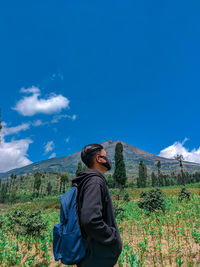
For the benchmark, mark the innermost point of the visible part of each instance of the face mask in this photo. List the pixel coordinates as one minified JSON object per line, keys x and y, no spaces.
{"x":107,"y":164}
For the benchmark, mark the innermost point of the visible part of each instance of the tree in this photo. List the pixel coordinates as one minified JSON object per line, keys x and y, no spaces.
{"x":49,"y":188}
{"x":21,"y":180}
{"x":13,"y":196}
{"x":166,"y":179}
{"x":110,"y":180}
{"x":153,"y":179}
{"x":160,"y":180}
{"x":119,"y":175}
{"x":179,"y":179}
{"x":142,"y":176}
{"x":3,"y":192}
{"x":180,"y":160}
{"x":0,"y":125}
{"x":64,"y":179}
{"x":79,"y":168}
{"x":37,"y":181}
{"x":13,"y":178}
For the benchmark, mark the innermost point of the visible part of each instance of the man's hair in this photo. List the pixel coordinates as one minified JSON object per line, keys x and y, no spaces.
{"x":88,"y":153}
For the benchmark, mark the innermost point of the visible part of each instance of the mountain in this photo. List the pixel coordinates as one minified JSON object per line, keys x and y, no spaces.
{"x":132,"y":156}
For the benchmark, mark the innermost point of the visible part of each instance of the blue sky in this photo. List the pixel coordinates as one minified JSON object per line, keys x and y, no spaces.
{"x":80,"y":72}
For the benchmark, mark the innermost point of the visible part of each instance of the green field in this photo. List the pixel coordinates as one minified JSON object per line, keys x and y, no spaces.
{"x":159,"y":239}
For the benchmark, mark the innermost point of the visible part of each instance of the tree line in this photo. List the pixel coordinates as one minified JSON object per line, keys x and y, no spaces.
{"x":8,"y":190}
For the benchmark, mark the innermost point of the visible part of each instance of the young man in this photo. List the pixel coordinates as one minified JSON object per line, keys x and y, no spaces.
{"x":96,"y":215}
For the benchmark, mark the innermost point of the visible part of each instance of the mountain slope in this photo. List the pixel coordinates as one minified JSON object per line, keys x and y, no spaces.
{"x":132,"y":156}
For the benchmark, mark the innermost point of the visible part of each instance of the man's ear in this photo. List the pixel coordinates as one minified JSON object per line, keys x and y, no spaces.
{"x":97,"y":156}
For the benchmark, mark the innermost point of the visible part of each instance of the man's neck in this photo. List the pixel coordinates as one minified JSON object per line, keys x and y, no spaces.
{"x":98,"y":169}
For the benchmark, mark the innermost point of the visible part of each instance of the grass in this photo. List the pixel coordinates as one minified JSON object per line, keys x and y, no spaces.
{"x":170,"y":239}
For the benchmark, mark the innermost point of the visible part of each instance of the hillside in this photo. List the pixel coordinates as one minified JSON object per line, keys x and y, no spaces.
{"x":132,"y":156}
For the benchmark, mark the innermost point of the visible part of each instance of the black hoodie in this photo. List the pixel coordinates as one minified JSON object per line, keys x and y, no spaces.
{"x":97,"y":220}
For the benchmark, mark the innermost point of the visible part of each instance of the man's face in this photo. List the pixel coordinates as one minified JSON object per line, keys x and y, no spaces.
{"x":99,"y":159}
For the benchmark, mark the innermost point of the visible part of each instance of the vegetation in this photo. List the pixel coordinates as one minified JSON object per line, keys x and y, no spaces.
{"x":152,"y":200}
{"x":131,"y":154}
{"x":40,"y":184}
{"x":142,"y":177}
{"x":119,"y":175}
{"x":0,"y":125}
{"x":49,"y":188}
{"x":184,"y":194}
{"x":79,"y":168}
{"x":159,"y":226}
{"x":37,"y":182}
{"x":110,"y":180}
{"x":64,"y":179}
{"x":149,"y":239}
{"x":153,"y":179}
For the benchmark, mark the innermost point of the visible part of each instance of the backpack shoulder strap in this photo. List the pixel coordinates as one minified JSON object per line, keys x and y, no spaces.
{"x":65,"y":201}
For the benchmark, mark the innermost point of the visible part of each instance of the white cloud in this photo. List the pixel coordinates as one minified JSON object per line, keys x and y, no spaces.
{"x":53,"y":155}
{"x":67,"y":140}
{"x":13,"y":130}
{"x":38,"y":123}
{"x":31,"y":105}
{"x":13,"y":154}
{"x":178,"y":148}
{"x":58,"y":117}
{"x":32,"y":89}
{"x":49,"y":146}
{"x":57,"y":76}
{"x":73,"y":117}
{"x":21,"y":127}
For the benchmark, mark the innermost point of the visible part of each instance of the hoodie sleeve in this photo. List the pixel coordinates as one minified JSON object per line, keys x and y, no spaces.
{"x":91,"y":214}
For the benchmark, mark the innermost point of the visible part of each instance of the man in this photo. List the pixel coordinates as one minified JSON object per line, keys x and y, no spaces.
{"x":96,"y":215}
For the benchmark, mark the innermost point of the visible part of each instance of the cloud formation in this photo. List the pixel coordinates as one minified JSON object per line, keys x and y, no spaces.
{"x":31,"y":105}
{"x":53,"y":155}
{"x":49,"y":146}
{"x":14,"y":154}
{"x":56,"y":118}
{"x":13,"y":130}
{"x":178,"y":148}
{"x":67,"y":140}
{"x":32,"y":89}
{"x":38,"y":123}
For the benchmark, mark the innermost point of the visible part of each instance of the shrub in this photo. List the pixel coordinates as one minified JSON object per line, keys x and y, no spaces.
{"x":13,"y":197}
{"x":184,"y":194}
{"x":30,"y":223}
{"x":116,"y":196}
{"x":1,"y":221}
{"x":110,"y":180}
{"x":118,"y":211}
{"x":126,"y":197}
{"x":152,"y":200}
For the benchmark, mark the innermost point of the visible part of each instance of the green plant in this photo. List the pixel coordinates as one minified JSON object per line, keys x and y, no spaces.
{"x":152,"y":200}
{"x":118,"y":211}
{"x":30,"y":223}
{"x":184,"y":194}
{"x":1,"y":221}
{"x":126,"y":197}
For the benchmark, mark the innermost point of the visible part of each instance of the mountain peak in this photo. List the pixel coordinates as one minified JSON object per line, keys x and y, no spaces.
{"x":132,"y":156}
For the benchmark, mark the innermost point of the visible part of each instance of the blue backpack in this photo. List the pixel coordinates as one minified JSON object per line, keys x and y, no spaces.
{"x":68,"y":244}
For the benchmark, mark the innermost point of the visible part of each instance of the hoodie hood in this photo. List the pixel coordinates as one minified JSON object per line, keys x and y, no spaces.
{"x":86,"y":174}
